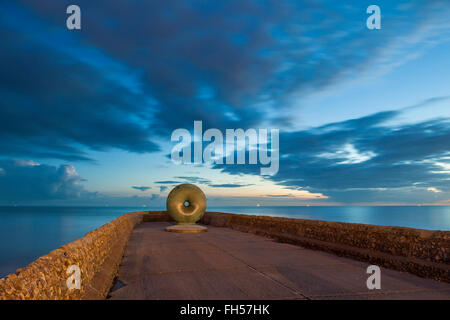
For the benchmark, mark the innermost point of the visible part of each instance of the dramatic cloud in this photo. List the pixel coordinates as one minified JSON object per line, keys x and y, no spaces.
{"x":28,"y":181}
{"x":134,"y":71}
{"x":364,"y":160}
{"x":137,"y":71}
{"x":55,"y":105}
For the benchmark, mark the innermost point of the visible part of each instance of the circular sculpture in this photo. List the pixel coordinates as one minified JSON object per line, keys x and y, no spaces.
{"x":186,"y":204}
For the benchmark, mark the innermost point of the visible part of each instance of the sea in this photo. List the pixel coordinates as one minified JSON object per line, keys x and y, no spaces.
{"x":27,"y":233}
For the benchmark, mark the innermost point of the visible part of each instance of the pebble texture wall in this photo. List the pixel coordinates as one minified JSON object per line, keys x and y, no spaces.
{"x":98,"y":255}
{"x":99,"y":252}
{"x":422,"y":252}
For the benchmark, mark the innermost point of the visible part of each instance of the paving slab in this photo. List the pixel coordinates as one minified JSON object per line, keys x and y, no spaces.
{"x":227,"y":264}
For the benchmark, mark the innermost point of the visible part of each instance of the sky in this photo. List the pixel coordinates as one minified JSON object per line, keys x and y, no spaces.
{"x":86,"y":116}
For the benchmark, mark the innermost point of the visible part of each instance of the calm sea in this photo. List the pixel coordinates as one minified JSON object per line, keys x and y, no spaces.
{"x":27,"y":233}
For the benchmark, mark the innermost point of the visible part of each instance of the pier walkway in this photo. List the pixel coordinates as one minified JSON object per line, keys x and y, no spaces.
{"x":227,"y":264}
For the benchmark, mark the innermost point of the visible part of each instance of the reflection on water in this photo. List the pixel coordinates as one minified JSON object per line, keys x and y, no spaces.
{"x":27,"y":233}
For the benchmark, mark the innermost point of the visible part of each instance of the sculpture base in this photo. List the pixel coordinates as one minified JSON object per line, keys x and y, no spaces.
{"x":187,"y":228}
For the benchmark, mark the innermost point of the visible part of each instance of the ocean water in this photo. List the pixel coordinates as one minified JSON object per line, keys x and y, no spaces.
{"x":27,"y":233}
{"x":421,"y":217}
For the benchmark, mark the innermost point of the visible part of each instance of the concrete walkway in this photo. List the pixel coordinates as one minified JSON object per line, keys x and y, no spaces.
{"x":227,"y":264}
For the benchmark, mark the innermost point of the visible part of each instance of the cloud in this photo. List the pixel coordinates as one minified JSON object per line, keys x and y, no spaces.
{"x":64,"y":99}
{"x":167,"y":182}
{"x":383,"y":162}
{"x":198,"y":180}
{"x":195,"y":180}
{"x":23,"y":181}
{"x":230,"y":185}
{"x":141,"y":188}
{"x":348,"y":155}
{"x":136,"y":72}
{"x":140,"y":71}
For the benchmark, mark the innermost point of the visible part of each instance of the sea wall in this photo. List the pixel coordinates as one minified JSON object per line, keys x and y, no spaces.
{"x":422,"y":252}
{"x":97,"y":254}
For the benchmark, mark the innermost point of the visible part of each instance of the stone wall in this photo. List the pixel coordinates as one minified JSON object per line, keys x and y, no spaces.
{"x":98,"y":255}
{"x":422,"y":252}
{"x":157,"y":216}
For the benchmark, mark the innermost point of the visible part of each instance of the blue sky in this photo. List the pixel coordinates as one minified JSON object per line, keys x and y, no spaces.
{"x":86,"y":115}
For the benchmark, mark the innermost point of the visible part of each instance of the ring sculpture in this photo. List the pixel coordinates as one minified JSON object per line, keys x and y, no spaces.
{"x":186,"y":204}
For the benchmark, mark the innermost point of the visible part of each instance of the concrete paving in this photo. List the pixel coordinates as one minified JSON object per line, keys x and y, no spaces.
{"x":227,"y":264}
